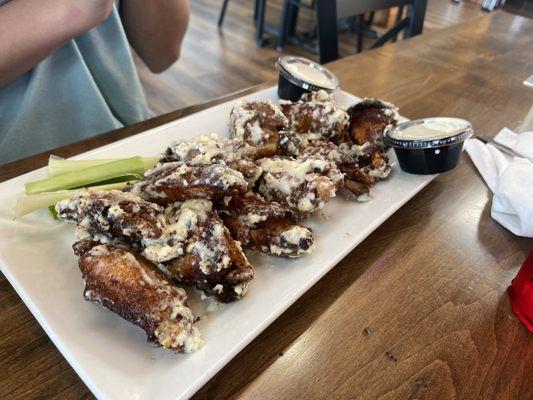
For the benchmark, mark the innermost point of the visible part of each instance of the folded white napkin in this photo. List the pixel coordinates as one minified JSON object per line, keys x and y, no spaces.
{"x":509,"y":178}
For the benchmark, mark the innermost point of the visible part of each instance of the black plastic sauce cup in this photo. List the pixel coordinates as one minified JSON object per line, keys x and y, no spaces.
{"x":432,"y":155}
{"x":291,"y":87}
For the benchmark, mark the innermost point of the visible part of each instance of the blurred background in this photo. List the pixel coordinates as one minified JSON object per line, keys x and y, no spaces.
{"x":219,"y":60}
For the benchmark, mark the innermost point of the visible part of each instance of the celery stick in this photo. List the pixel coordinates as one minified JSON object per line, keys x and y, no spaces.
{"x":58,"y":166}
{"x":125,"y":178}
{"x":86,"y":176}
{"x":53,"y":212}
{"x":31,"y":203}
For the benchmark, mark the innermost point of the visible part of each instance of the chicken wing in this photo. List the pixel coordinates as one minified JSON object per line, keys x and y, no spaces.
{"x":207,"y":149}
{"x":212,"y":261}
{"x":187,"y":241}
{"x":177,"y":181}
{"x":356,"y":181}
{"x":302,"y":184}
{"x":326,"y":119}
{"x":130,"y":286}
{"x":371,"y":158}
{"x":113,"y":217}
{"x":369,"y":119}
{"x":266,"y":226}
{"x":319,"y":96}
{"x":257,"y":123}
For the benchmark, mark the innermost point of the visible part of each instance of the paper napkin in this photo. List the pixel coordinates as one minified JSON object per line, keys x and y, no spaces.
{"x":509,"y":178}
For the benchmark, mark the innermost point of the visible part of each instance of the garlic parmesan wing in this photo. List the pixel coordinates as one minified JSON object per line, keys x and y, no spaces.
{"x":124,"y":219}
{"x":112,"y":217}
{"x":356,"y":180}
{"x":212,"y":261}
{"x":319,"y":96}
{"x":304,"y":185}
{"x":130,"y":286}
{"x":371,"y":158}
{"x":176,"y":181}
{"x":257,"y":123}
{"x":325,"y":119}
{"x":265,"y":226}
{"x":187,"y":241}
{"x":369,"y":119}
{"x":208,"y":149}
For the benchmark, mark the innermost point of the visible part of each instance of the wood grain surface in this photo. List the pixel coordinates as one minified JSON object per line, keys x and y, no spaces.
{"x":416,"y":311}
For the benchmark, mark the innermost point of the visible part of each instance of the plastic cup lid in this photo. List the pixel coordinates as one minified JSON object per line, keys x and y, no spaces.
{"x":307,"y":74}
{"x":429,"y":132}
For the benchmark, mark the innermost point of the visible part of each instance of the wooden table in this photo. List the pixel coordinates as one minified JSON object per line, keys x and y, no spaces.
{"x":419,"y":309}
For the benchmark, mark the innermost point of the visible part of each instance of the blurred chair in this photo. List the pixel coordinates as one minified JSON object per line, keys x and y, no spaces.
{"x":259,"y":18}
{"x":328,"y":12}
{"x":222,"y":14}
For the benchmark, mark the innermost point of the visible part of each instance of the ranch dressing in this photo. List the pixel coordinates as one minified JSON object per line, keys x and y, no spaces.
{"x":430,"y":128}
{"x":311,"y":75}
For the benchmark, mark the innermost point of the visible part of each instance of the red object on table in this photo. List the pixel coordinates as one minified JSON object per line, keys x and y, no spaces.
{"x":521,"y":293}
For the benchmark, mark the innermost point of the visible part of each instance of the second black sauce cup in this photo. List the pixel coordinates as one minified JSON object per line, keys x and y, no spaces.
{"x":292,"y":87}
{"x":427,"y":156}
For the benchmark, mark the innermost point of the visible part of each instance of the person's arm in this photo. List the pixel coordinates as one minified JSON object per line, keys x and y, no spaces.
{"x":32,"y":29}
{"x":155,"y":29}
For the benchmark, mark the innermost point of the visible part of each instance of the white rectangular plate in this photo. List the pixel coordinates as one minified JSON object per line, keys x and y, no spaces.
{"x":111,"y":355}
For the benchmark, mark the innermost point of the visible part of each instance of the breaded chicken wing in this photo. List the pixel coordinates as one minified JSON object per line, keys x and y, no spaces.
{"x":130,"y":286}
{"x":369,"y":119}
{"x":257,"y":123}
{"x":125,"y":219}
{"x":325,"y":119}
{"x":187,"y":241}
{"x":302,"y":184}
{"x":177,"y":181}
{"x":213,"y":261}
{"x":356,"y":180}
{"x":319,"y":96}
{"x":113,"y":216}
{"x":371,"y":158}
{"x":265,"y":226}
{"x":207,"y":149}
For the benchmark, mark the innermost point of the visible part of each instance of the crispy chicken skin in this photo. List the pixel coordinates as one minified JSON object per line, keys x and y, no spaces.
{"x":187,"y":241}
{"x":369,"y":119}
{"x":257,"y":123}
{"x":185,"y":221}
{"x":356,"y":181}
{"x":130,"y":286}
{"x":265,"y":226}
{"x":176,"y":181}
{"x":213,"y":261}
{"x":124,"y":219}
{"x":371,"y":157}
{"x":112,"y":216}
{"x":207,"y":149}
{"x":303,"y":185}
{"x":319,"y":96}
{"x":253,"y":208}
{"x":325,"y":119}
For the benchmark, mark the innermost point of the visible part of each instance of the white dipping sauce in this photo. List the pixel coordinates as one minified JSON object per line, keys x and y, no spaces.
{"x":431,"y":128}
{"x":310,"y":75}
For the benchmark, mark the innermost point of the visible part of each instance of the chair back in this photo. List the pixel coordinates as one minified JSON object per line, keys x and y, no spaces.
{"x":349,"y":8}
